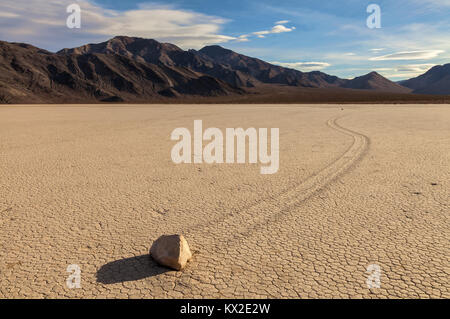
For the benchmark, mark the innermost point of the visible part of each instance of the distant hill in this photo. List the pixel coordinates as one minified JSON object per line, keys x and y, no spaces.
{"x":435,"y":81}
{"x":374,"y":81}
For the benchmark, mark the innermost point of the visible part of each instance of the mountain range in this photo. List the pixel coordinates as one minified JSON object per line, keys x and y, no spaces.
{"x":129,"y":69}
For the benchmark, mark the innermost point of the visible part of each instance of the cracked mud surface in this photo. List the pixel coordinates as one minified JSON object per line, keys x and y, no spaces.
{"x":95,"y":185}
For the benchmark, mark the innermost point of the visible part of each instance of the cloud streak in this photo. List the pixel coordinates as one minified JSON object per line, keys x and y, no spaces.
{"x":277,"y":28}
{"x":409,"y":55}
{"x":303,"y":66}
{"x":282,"y":22}
{"x":405,"y":71}
{"x":415,"y":68}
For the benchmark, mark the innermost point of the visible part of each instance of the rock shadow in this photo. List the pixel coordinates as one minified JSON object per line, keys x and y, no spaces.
{"x":129,"y":269}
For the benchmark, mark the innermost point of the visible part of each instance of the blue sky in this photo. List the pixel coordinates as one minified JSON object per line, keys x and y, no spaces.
{"x":331,"y":36}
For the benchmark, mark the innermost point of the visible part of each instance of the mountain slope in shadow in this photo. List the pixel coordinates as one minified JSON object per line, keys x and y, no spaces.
{"x":29,"y":74}
{"x":434,"y":81}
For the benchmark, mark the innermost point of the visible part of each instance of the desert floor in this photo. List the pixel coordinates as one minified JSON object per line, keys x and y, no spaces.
{"x":95,"y":185}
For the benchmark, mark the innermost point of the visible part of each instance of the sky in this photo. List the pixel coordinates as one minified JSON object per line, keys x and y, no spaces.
{"x":328,"y":36}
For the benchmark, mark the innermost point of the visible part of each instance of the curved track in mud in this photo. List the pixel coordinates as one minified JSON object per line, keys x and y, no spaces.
{"x":243,"y":223}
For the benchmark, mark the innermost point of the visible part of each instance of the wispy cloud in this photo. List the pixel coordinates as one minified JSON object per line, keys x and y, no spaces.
{"x":376,"y":50}
{"x":242,"y":38}
{"x":409,"y":55}
{"x":436,"y":4}
{"x":8,"y":15}
{"x":303,"y":66}
{"x":405,"y":71}
{"x":277,"y":28}
{"x":415,"y":68}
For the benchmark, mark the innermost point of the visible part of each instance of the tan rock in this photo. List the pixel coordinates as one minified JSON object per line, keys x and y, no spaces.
{"x":171,"y":251}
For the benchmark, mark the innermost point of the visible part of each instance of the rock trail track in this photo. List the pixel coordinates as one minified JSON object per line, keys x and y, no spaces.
{"x":244,"y":221}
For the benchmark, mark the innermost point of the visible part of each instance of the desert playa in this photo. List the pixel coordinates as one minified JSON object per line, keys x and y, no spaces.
{"x":94,"y":185}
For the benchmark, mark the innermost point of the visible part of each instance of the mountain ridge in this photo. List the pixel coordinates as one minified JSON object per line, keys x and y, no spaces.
{"x":131,"y":69}
{"x":27,"y":71}
{"x":234,"y":68}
